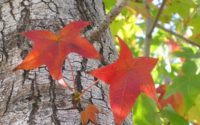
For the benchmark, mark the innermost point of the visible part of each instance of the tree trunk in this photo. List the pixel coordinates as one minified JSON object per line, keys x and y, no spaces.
{"x":32,"y":97}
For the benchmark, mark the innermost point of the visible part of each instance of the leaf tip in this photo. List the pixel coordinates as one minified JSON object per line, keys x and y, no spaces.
{"x":119,"y":38}
{"x":89,"y":72}
{"x":81,"y":23}
{"x":23,"y":33}
{"x":15,"y":69}
{"x":63,"y":83}
{"x":92,"y":72}
{"x":155,"y":60}
{"x":100,"y":57}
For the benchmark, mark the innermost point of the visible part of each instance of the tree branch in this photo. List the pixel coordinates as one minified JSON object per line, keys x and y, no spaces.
{"x":157,"y":17}
{"x":179,"y":36}
{"x":94,"y":33}
{"x":148,"y":37}
{"x":151,"y":26}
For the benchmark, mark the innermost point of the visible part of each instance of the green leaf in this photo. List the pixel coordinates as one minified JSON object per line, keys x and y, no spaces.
{"x":185,"y":53}
{"x":116,"y":26}
{"x":139,"y":8}
{"x":196,"y":1}
{"x":194,"y":113}
{"x":145,"y":112}
{"x":189,"y":68}
{"x":182,"y":7}
{"x":195,"y":23}
{"x":188,"y":83}
{"x":173,"y":118}
{"x":109,"y":4}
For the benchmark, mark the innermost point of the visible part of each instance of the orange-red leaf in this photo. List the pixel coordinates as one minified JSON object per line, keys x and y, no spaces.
{"x":173,"y":46}
{"x":51,"y":49}
{"x":89,"y":114}
{"x":127,"y":77}
{"x":150,"y":1}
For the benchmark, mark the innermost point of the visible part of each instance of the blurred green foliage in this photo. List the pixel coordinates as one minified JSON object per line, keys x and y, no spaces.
{"x":179,"y":63}
{"x":145,"y":112}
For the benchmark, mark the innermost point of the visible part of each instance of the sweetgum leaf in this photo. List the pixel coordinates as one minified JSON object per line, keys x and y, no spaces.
{"x":138,"y":7}
{"x":194,"y":112}
{"x":89,"y":114}
{"x":183,"y":8}
{"x":127,"y":77}
{"x":175,"y":100}
{"x":187,"y":83}
{"x":173,"y":117}
{"x":146,"y":112}
{"x":51,"y":49}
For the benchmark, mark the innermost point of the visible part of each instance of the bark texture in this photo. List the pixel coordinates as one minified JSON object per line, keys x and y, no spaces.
{"x":32,"y":97}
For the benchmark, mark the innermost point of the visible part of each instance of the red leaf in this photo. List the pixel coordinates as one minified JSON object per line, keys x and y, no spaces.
{"x":89,"y":114}
{"x":51,"y":49}
{"x":176,"y":100}
{"x":127,"y":77}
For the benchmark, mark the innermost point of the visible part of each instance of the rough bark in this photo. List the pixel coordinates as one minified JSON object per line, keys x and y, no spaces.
{"x":33,"y":97}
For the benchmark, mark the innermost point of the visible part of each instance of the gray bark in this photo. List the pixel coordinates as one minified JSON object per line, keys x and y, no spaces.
{"x":32,"y":97}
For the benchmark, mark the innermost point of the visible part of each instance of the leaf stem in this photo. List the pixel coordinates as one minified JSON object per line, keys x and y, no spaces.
{"x":90,"y":86}
{"x":73,"y":79}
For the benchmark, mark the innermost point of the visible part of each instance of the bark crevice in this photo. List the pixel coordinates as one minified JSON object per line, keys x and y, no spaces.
{"x":52,"y":95}
{"x":9,"y":98}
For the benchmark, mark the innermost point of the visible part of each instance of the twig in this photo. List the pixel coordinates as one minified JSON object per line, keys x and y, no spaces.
{"x":94,"y":33}
{"x":157,"y":17}
{"x":179,"y":36}
{"x":147,"y":42}
{"x":151,"y":26}
{"x":90,"y":86}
